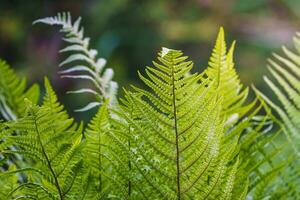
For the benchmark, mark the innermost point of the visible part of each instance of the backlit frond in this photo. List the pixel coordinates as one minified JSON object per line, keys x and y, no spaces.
{"x":83,"y":61}
{"x":221,"y":68}
{"x":179,"y":131}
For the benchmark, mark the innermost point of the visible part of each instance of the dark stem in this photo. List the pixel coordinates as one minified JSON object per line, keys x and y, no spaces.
{"x":129,"y":166}
{"x":176,"y":137}
{"x":129,"y":155}
{"x":100,"y":163}
{"x":47,"y":160}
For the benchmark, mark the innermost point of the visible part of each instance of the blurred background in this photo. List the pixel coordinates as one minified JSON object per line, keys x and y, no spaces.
{"x":129,"y":33}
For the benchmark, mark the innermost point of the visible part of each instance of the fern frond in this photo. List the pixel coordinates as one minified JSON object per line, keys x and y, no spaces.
{"x":47,"y":137}
{"x":178,"y":131}
{"x":97,"y":150}
{"x":285,"y":71}
{"x":187,"y":136}
{"x":91,"y":67}
{"x":221,"y":68}
{"x":284,"y":83}
{"x":9,"y":183}
{"x":13,"y":91}
{"x":251,"y":124}
{"x":106,"y":154}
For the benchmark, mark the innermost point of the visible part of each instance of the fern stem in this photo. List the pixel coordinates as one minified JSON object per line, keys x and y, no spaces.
{"x":176,"y":135}
{"x":129,"y":166}
{"x":100,"y":164}
{"x":129,"y":154}
{"x":47,"y":159}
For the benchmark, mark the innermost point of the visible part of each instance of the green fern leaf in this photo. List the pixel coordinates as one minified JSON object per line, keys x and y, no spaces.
{"x":179,"y":130}
{"x":47,"y":137}
{"x":13,"y":92}
{"x":221,"y":68}
{"x":284,"y":84}
{"x":286,"y":73}
{"x":247,"y":123}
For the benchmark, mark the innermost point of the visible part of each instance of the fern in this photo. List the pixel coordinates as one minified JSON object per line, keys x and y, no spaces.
{"x":221,"y":68}
{"x":8,"y":184}
{"x":90,"y":68}
{"x":141,"y":157}
{"x":127,"y":143}
{"x":187,"y":136}
{"x":284,"y":84}
{"x":48,"y":138}
{"x":252,"y":124}
{"x":13,"y":91}
{"x":181,"y":156}
{"x":285,"y":71}
{"x":107,"y":155}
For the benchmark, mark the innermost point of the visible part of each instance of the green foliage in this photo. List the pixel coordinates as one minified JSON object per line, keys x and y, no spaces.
{"x":221,"y":68}
{"x":185,"y":136}
{"x":13,"y":91}
{"x":251,"y":124}
{"x":51,"y":144}
{"x":284,"y":84}
{"x":181,"y":156}
{"x":103,"y":156}
{"x":285,"y":70}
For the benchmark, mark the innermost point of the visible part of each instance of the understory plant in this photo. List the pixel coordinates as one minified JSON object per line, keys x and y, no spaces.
{"x":184,"y":135}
